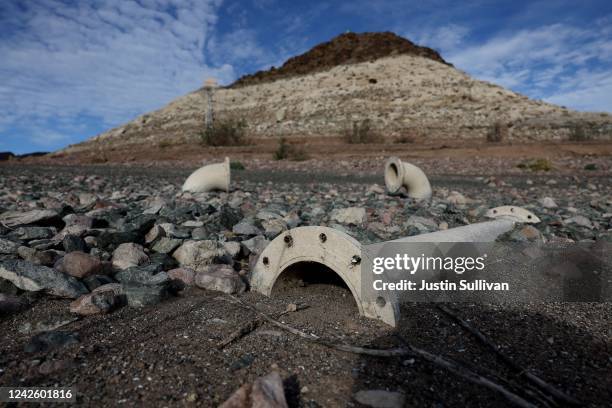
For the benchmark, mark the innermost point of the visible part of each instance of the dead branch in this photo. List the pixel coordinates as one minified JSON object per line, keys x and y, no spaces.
{"x":252,"y":325}
{"x":400,"y":351}
{"x":535,"y":380}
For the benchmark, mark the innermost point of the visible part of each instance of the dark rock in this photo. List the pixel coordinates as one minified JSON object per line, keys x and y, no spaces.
{"x":47,"y":258}
{"x":151,"y":274}
{"x":32,"y":277}
{"x":145,"y":295}
{"x":73,"y":243}
{"x":228,"y":217}
{"x":95,"y":281}
{"x":165,"y":260}
{"x":8,"y":247}
{"x":30,"y":233}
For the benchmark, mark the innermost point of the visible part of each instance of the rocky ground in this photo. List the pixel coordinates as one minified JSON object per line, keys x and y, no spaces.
{"x":116,"y":283}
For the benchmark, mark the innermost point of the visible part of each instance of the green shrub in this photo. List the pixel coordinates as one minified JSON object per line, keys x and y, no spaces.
{"x":590,"y":166}
{"x":359,"y":132}
{"x":236,"y":165}
{"x":164,"y":144}
{"x":498,"y":132}
{"x":404,"y":139}
{"x":578,"y":133}
{"x":225,"y":133}
{"x":287,"y":151}
{"x":536,"y":165}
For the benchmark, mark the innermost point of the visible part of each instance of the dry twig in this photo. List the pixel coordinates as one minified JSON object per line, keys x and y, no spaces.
{"x":535,"y":380}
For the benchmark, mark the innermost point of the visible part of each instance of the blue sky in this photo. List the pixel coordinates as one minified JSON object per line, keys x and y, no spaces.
{"x":72,"y":69}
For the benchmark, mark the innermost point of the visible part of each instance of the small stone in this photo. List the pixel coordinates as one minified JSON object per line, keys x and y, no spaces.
{"x":128,"y":255}
{"x":74,"y":243}
{"x":265,"y":391}
{"x":351,"y":215}
{"x":220,"y":277}
{"x":457,"y":198}
{"x":255,"y":245}
{"x":580,"y":220}
{"x":47,"y":258}
{"x":198,"y":254}
{"x":200,"y":233}
{"x":380,"y":398}
{"x":232,"y":248}
{"x":79,"y":265}
{"x":166,"y":245}
{"x":154,"y":233}
{"x":273,"y":228}
{"x":246,"y":227}
{"x":547,"y":202}
{"x":144,"y":295}
{"x":147,"y":275}
{"x":30,"y":233}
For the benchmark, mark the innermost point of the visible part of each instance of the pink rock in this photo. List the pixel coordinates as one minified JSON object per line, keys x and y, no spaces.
{"x":220,"y":277}
{"x":265,"y":392}
{"x":79,"y":264}
{"x":103,"y":299}
{"x":185,"y":275}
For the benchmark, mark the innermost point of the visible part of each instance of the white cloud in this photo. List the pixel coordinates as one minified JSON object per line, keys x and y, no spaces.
{"x":554,"y":62}
{"x":108,"y":60}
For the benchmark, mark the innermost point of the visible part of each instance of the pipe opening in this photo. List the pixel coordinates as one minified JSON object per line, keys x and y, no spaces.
{"x":313,"y":282}
{"x":393,"y":174}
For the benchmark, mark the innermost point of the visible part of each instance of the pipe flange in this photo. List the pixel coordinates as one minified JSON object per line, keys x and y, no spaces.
{"x":329,"y":247}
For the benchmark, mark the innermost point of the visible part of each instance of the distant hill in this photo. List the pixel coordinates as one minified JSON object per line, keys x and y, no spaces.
{"x":401,"y":89}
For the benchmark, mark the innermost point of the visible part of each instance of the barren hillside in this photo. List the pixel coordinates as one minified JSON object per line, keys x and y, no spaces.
{"x":412,"y":93}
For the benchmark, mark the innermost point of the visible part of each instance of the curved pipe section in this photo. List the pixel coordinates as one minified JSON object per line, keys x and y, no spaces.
{"x":332,"y":248}
{"x":400,"y":174}
{"x":211,"y":177}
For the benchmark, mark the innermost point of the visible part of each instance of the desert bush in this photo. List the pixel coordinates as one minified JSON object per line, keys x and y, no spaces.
{"x":359,"y":132}
{"x":164,"y":144}
{"x":498,"y":132}
{"x":590,"y":166}
{"x":536,"y":165}
{"x":578,"y":133}
{"x":404,"y":139}
{"x":225,"y":133}
{"x":236,"y":165}
{"x":288,"y":151}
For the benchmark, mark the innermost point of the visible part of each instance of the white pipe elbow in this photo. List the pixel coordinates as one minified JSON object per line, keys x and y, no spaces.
{"x":211,"y":177}
{"x":400,"y":174}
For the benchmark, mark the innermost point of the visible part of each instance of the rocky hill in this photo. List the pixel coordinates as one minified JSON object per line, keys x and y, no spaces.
{"x":404,"y":91}
{"x":349,"y":48}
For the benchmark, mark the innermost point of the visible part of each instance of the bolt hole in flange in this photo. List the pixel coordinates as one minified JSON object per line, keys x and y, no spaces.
{"x":288,"y":240}
{"x":356,"y":260}
{"x":266,"y":261}
{"x":381,"y":302}
{"x":322,"y":237}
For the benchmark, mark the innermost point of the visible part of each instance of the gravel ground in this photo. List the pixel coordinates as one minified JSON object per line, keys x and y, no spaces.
{"x":164,"y":354}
